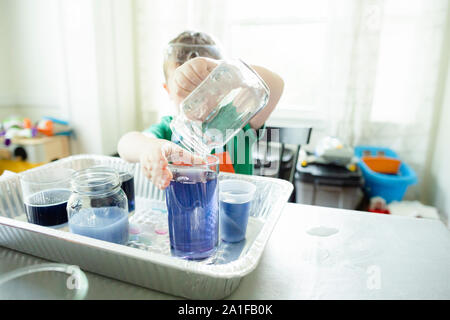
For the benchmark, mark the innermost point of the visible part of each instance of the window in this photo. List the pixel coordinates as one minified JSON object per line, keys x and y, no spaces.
{"x":409,"y":53}
{"x":291,"y":38}
{"x":316,"y":47}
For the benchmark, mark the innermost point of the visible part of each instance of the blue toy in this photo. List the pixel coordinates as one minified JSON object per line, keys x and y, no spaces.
{"x":389,"y":187}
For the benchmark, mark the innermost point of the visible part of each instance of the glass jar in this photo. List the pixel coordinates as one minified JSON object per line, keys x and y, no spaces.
{"x":193,"y":208}
{"x":126,"y":175}
{"x":98,"y":206}
{"x":49,"y":281}
{"x":220,"y":106}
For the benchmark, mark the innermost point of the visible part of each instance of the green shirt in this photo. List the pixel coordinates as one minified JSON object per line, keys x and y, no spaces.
{"x":240,"y":147}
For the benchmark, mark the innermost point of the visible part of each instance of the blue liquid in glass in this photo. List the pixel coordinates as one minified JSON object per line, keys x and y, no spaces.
{"x":48,"y":207}
{"x":233,"y":220}
{"x":128,"y":188}
{"x":192,"y":205}
{"x":107,"y":223}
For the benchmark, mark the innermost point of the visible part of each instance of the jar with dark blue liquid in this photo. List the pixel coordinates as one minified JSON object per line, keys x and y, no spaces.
{"x":192,"y":200}
{"x":126,"y":175}
{"x":127,"y":180}
{"x":45,"y":194}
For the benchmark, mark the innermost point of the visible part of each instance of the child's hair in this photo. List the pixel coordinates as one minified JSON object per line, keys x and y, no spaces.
{"x":188,"y":45}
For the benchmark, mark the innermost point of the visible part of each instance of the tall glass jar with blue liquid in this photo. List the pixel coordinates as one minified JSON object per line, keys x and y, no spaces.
{"x":98,"y":207}
{"x":192,"y":200}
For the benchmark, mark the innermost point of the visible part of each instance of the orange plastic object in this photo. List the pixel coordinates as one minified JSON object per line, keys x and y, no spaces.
{"x":225,"y":164}
{"x":27,"y":123}
{"x":46,"y":128}
{"x":383,"y":164}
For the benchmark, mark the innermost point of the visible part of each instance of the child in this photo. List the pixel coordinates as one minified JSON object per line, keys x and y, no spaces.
{"x":190,"y":58}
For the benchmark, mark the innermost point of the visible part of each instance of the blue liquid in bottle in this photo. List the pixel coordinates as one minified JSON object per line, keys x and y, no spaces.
{"x":107,"y":223}
{"x":192,"y":204}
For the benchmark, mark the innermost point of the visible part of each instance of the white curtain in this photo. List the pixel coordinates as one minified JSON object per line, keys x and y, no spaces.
{"x":156,"y":23}
{"x":385,"y":86}
{"x":379,"y":70}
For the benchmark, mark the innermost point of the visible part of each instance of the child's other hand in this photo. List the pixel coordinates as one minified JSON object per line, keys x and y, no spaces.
{"x":188,"y":76}
{"x":155,"y":162}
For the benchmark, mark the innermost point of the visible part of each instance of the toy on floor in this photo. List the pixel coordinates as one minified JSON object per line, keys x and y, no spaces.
{"x":382,"y":164}
{"x":413,"y":209}
{"x":51,"y":126}
{"x":24,"y":145}
{"x":391,"y":187}
{"x":378,"y":205}
{"x":330,"y":151}
{"x":16,"y":127}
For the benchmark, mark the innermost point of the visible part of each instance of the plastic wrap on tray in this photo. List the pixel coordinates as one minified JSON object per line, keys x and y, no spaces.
{"x":146,"y":264}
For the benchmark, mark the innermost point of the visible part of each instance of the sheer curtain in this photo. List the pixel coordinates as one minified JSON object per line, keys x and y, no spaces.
{"x":156,"y":23}
{"x":367,"y":69}
{"x":391,"y":91}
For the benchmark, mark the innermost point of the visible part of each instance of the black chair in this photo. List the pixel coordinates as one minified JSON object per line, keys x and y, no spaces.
{"x":278,"y":137}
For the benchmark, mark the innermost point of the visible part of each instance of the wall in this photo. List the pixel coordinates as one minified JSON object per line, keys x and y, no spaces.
{"x":71,"y":59}
{"x":436,"y":186}
{"x":30,"y":57}
{"x":6,"y":88}
{"x":439,"y":185}
{"x":36,"y":55}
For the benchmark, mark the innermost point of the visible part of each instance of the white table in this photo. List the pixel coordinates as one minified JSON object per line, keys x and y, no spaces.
{"x":372,"y":256}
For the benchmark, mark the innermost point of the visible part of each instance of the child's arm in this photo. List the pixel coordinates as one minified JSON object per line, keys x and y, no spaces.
{"x":152,"y":153}
{"x":276,"y":86}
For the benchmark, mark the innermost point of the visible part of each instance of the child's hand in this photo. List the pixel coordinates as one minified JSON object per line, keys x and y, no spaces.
{"x":154,"y":162}
{"x":188,"y":76}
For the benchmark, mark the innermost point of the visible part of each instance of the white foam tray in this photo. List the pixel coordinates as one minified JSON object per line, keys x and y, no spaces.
{"x":214,"y":278}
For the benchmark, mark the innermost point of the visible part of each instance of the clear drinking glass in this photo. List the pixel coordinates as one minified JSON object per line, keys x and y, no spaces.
{"x":193,"y":208}
{"x":98,"y":207}
{"x":45,"y":194}
{"x":220,"y":106}
{"x":50,"y":281}
{"x":236,"y":197}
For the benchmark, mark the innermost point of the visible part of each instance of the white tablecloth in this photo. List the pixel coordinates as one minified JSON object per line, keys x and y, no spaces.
{"x":359,"y":255}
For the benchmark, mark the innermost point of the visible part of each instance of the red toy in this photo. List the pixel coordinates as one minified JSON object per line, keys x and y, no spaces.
{"x":378,"y":205}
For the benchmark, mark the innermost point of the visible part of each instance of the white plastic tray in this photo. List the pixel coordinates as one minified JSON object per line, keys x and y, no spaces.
{"x":147,"y":266}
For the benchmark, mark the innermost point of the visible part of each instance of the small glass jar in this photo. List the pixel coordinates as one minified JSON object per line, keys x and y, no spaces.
{"x":98,"y":206}
{"x":126,"y":175}
{"x":48,"y":281}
